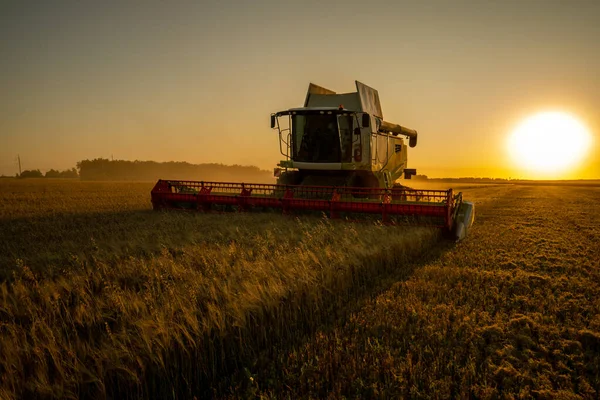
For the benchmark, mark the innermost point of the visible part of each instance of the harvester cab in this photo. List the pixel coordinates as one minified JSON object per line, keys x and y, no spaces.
{"x":341,"y":139}
{"x":341,"y":158}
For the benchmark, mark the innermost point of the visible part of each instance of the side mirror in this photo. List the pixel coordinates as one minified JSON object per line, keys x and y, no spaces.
{"x":272,"y":120}
{"x":366,"y":120}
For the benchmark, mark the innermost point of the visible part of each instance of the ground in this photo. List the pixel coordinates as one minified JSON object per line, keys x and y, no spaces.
{"x":514,"y":310}
{"x":102,"y":296}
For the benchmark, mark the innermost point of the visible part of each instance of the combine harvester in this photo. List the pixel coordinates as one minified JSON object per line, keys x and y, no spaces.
{"x":341,"y":158}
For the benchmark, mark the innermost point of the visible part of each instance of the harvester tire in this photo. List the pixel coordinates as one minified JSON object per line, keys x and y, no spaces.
{"x":289,"y":178}
{"x":363,"y":181}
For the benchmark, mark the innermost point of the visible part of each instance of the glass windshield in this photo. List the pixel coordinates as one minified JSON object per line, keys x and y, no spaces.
{"x":345,"y":124}
{"x":315,"y":138}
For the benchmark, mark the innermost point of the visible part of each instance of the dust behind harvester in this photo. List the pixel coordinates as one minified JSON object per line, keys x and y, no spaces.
{"x":340,"y":157}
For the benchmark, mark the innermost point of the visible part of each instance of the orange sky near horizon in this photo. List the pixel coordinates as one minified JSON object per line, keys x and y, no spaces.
{"x":197,"y":81}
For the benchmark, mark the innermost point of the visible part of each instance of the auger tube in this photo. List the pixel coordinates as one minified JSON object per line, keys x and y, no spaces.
{"x":400,"y":130}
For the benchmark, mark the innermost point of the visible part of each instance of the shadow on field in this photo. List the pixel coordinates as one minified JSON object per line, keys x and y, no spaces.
{"x":269,"y":355}
{"x":263,"y":344}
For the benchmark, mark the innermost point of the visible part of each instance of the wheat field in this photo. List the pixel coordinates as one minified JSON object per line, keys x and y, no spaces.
{"x":101,"y":297}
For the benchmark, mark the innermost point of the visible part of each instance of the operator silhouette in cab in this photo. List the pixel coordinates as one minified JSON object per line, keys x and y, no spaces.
{"x":320,"y":143}
{"x":329,"y":149}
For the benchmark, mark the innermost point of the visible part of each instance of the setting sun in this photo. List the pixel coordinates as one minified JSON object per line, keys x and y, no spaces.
{"x":549,"y":143}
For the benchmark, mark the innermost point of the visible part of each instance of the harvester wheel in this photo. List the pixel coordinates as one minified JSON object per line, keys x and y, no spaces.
{"x":289,"y":178}
{"x":363,"y":181}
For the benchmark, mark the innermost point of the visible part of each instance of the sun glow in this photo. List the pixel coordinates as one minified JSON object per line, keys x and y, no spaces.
{"x":551,"y":144}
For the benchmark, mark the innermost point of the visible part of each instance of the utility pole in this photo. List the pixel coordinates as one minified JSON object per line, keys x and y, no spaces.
{"x":19,"y":158}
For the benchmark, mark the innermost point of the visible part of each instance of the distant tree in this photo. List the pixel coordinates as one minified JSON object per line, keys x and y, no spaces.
{"x":52,"y":174}
{"x":420,"y":177}
{"x":68,"y":173}
{"x":34,"y":173}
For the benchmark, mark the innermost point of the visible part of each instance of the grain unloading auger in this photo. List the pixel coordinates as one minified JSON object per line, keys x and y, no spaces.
{"x":341,"y":158}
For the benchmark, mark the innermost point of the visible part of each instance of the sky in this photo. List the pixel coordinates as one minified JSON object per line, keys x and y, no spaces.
{"x":197,"y":81}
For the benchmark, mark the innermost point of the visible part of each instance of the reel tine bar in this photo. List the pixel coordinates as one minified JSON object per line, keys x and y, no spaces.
{"x":438,"y":205}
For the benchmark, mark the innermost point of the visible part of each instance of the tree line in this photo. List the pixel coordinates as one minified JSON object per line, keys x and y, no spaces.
{"x":53,"y":173}
{"x":104,"y":169}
